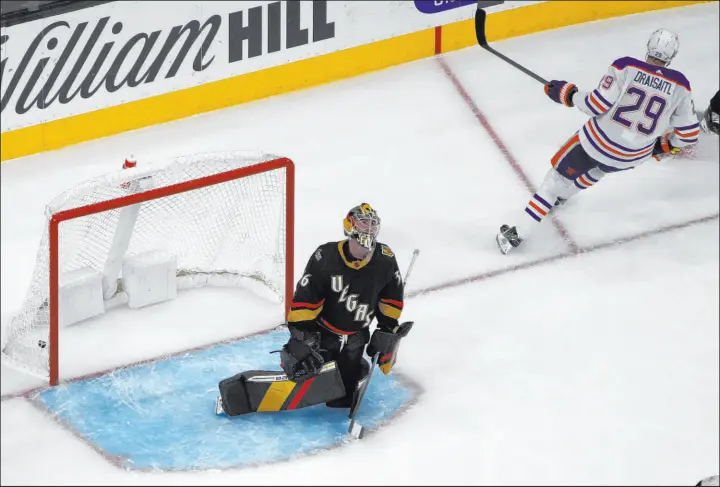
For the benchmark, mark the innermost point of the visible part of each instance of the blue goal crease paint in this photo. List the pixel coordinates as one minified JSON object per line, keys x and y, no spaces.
{"x":161,"y":415}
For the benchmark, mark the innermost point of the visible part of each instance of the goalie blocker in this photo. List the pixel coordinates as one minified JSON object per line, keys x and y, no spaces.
{"x":386,"y":343}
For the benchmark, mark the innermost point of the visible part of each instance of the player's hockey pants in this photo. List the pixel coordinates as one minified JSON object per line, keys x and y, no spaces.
{"x":349,"y":355}
{"x":577,"y":168}
{"x":573,"y":171}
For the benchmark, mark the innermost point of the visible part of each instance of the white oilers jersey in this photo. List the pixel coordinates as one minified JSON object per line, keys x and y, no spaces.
{"x":634,"y":104}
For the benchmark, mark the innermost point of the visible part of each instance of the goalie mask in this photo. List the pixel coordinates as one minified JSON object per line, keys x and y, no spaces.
{"x":362,"y":224}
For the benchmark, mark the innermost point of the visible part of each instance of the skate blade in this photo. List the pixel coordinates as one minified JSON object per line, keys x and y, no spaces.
{"x":503,"y":243}
{"x":218,"y":406}
{"x":356,"y":430}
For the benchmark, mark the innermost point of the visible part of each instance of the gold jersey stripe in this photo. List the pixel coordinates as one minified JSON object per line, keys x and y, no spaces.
{"x":389,"y":311}
{"x":276,"y":395}
{"x":303,"y":314}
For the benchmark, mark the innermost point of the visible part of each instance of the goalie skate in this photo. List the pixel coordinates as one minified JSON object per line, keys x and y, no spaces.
{"x":507,"y":239}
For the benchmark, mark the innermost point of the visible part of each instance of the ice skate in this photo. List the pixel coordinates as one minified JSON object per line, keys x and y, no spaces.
{"x":507,"y":239}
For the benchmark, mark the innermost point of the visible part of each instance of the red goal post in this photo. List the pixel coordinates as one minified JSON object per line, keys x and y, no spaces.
{"x":235,"y":174}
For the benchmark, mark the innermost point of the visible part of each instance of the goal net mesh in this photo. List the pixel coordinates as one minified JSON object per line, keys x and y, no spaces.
{"x":229,"y":233}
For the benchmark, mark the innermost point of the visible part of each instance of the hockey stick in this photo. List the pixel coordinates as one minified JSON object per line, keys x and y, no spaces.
{"x":480,"y":16}
{"x":416,"y":252}
{"x":355,"y":429}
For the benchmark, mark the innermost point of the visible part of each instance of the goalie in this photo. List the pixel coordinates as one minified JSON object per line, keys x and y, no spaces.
{"x":345,"y":286}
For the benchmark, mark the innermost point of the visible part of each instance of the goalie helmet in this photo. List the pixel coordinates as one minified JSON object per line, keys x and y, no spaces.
{"x":663,"y":45}
{"x":362,"y":224}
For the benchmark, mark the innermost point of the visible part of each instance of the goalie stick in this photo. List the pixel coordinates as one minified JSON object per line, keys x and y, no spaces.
{"x":357,"y":430}
{"x":480,"y":17}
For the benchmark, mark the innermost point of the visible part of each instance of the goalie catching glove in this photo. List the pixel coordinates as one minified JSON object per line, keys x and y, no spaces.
{"x":300,"y":357}
{"x":385,"y":341}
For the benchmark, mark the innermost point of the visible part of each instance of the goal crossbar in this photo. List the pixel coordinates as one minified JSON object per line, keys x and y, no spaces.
{"x":64,"y":215}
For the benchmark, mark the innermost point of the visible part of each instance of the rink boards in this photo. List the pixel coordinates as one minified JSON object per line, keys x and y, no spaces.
{"x":121,"y":66}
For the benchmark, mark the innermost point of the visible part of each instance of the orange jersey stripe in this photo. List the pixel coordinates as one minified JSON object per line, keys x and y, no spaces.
{"x":597,"y":103}
{"x":610,"y":149}
{"x":689,"y":134}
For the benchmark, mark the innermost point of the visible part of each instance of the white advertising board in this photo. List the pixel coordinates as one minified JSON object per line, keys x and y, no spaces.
{"x":125,"y":51}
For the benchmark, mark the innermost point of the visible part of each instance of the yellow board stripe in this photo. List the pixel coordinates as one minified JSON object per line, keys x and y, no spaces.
{"x":219,"y":94}
{"x":303,"y":314}
{"x":389,"y":311}
{"x":276,"y":395}
{"x":310,"y":72}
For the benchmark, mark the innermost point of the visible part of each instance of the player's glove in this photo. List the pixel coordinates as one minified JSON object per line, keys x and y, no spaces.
{"x":561,"y":92}
{"x":300,"y":357}
{"x":663,"y":148}
{"x":385,"y":341}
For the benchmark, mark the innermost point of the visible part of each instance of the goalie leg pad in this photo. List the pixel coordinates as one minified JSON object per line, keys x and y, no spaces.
{"x":263,"y":391}
{"x":234,"y":396}
{"x":353,"y":383}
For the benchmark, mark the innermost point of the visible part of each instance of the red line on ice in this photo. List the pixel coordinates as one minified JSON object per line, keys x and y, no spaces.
{"x":502,"y":147}
{"x":413,"y":294}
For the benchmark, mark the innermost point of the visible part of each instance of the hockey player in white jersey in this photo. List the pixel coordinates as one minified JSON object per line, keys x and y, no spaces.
{"x":640,"y":110}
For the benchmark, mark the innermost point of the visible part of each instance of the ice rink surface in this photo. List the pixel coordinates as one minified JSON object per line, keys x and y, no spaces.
{"x":541,"y":367}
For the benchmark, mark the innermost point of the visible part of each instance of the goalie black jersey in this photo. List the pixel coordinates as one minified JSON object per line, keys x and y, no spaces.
{"x":343,"y":294}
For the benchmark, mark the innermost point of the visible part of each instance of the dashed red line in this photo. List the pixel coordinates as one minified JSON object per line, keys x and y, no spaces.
{"x":554,"y":258}
{"x":502,"y":147}
{"x":438,"y":287}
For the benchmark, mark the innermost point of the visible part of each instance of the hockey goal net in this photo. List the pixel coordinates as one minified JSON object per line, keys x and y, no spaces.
{"x":212,"y":219}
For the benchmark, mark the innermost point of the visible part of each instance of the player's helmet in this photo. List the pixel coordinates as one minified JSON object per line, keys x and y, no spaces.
{"x":663,"y":45}
{"x":362,"y":224}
